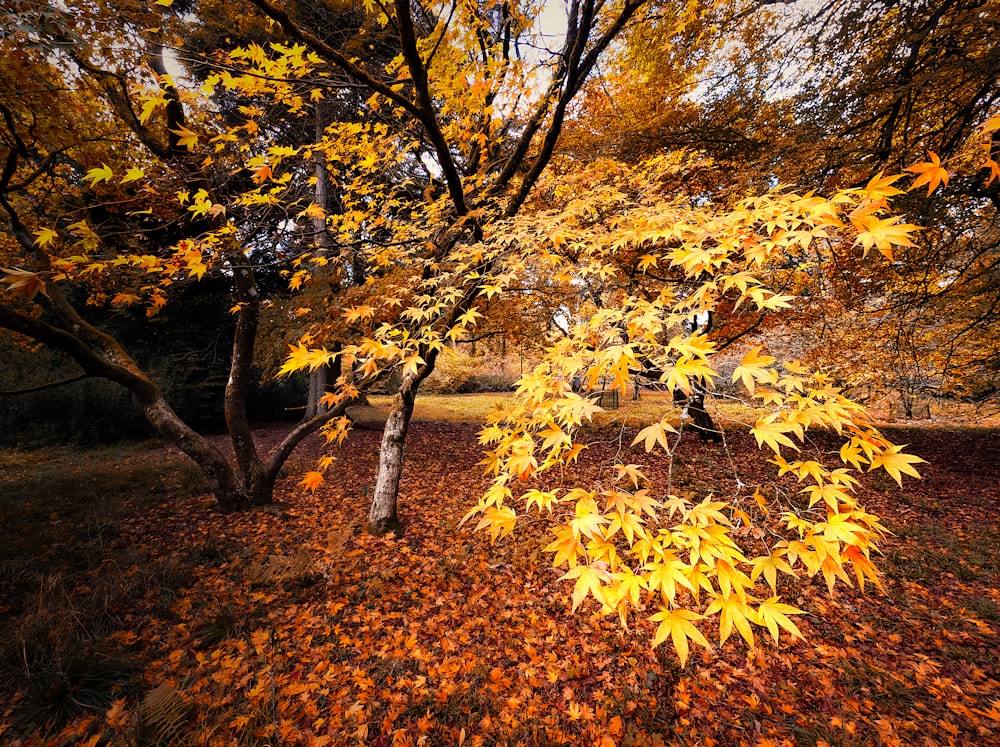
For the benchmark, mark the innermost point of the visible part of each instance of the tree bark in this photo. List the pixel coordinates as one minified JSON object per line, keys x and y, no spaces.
{"x":322,"y":380}
{"x":701,"y":420}
{"x":383,"y":516}
{"x":259,"y":487}
{"x":694,"y":407}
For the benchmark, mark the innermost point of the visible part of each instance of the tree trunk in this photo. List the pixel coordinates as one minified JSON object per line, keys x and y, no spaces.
{"x":230,"y":491}
{"x":694,"y":407}
{"x":317,"y":387}
{"x":321,"y":381}
{"x":383,"y":515}
{"x":702,"y":421}
{"x":257,"y":486}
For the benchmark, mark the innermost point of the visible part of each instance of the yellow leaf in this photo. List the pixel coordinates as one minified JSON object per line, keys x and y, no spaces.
{"x":98,"y":175}
{"x":544,"y":499}
{"x":879,"y":186}
{"x":851,"y":453}
{"x":314,"y":211}
{"x":186,"y":137}
{"x":132,"y":175}
{"x":990,"y":125}
{"x":734,"y":613}
{"x":126,"y":299}
{"x":773,"y":614}
{"x":299,"y":356}
{"x":358,"y":313}
{"x":646,"y":261}
{"x":884,"y":233}
{"x":499,"y":521}
{"x":773,"y":434}
{"x":769,"y":565}
{"x":666,"y":576}
{"x":312,"y":481}
{"x":45,"y":236}
{"x":930,"y":173}
{"x":590,"y":579}
{"x":565,"y":546}
{"x":893,"y":461}
{"x":678,"y":625}
{"x":753,"y":368}
{"x":655,"y":434}
{"x":632,"y":471}
{"x":150,"y":105}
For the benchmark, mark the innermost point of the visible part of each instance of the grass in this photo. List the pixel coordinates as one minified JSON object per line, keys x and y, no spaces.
{"x":476,"y":408}
{"x":65,"y":583}
{"x":451,"y":408}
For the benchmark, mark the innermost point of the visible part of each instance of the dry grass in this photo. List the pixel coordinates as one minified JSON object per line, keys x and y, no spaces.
{"x":730,"y":413}
{"x":451,"y":408}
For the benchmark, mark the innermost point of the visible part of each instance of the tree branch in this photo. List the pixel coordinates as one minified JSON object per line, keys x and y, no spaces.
{"x":427,"y":117}
{"x":43,"y":387}
{"x":325,"y":50}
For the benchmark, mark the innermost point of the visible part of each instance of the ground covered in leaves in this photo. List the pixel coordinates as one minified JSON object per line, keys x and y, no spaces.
{"x":133,"y":614}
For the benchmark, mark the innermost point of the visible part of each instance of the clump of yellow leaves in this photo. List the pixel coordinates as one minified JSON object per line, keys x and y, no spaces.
{"x":639,"y":548}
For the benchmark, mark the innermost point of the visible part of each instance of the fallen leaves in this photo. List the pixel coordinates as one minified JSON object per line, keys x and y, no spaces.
{"x":294,"y":626}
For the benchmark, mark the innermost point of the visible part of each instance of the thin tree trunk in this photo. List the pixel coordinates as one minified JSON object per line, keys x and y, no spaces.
{"x":701,"y":420}
{"x":230,"y":491}
{"x":317,"y":387}
{"x":383,"y":516}
{"x":322,"y":381}
{"x":258,"y":486}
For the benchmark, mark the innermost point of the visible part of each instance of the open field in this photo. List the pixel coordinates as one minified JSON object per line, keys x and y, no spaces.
{"x":134,"y":615}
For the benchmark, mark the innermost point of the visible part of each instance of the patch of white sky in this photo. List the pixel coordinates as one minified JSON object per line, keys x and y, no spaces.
{"x":538,"y":47}
{"x":790,"y":66}
{"x":550,"y":26}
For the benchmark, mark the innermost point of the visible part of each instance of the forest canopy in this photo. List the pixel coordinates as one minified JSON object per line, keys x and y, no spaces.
{"x":639,"y":190}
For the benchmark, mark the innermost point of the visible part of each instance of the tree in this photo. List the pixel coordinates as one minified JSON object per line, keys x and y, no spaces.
{"x":459,"y":117}
{"x":471,"y":97}
{"x":639,"y":545}
{"x":826,"y":96}
{"x":122,"y":241}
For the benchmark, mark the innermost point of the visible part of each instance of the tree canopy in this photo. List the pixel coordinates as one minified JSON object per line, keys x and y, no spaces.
{"x":415,"y":172}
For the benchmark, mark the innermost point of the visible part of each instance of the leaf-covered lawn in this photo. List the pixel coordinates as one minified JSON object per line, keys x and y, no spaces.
{"x":133,"y":614}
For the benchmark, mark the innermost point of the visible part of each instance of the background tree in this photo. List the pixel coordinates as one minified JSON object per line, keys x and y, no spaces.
{"x":827,"y":96}
{"x":133,"y":232}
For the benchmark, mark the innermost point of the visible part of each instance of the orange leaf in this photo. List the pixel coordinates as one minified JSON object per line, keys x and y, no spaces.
{"x":312,"y":481}
{"x":931,"y":173}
